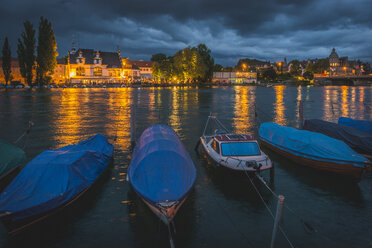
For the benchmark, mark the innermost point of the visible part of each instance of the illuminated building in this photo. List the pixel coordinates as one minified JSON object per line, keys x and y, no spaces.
{"x":15,"y":72}
{"x":234,"y":77}
{"x":341,"y":66}
{"x":145,"y":68}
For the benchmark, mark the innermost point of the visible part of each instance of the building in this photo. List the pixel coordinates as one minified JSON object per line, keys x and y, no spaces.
{"x":94,"y":67}
{"x":342,"y":66}
{"x":145,"y":68}
{"x":15,"y":72}
{"x":60,"y":74}
{"x":234,"y":77}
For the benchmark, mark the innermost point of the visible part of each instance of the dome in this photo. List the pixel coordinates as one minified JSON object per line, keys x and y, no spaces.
{"x":333,"y":54}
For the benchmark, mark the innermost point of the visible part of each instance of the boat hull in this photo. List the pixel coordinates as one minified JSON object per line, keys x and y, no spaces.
{"x":161,"y":171}
{"x":347,"y":170}
{"x":15,"y":227}
{"x":230,"y":163}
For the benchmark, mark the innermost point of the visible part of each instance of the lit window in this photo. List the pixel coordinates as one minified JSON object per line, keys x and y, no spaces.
{"x":97,"y":71}
{"x":80,"y":71}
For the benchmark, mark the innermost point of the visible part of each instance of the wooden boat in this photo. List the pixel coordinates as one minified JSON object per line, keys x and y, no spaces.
{"x":161,"y":171}
{"x":239,"y":152}
{"x":53,"y":180}
{"x":358,"y":140}
{"x":11,"y":158}
{"x":314,"y":150}
{"x":363,"y":125}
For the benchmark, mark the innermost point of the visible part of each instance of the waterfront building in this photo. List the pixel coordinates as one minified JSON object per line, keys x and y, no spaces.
{"x":16,"y":76}
{"x":60,"y":74}
{"x":94,"y":67}
{"x":342,"y":66}
{"x":145,"y":68}
{"x":234,"y":77}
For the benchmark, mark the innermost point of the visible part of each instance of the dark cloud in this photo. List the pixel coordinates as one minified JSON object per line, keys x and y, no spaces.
{"x":264,"y":29}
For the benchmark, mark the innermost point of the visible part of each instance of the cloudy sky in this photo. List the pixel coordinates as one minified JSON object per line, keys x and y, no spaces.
{"x":263,"y":29}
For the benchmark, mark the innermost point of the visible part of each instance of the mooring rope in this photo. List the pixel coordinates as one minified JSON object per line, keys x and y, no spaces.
{"x":309,"y":228}
{"x":170,"y":237}
{"x":268,"y":209}
{"x":27,"y":132}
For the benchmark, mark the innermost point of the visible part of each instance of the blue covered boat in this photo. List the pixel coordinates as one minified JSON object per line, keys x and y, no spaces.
{"x":362,"y":125}
{"x":358,"y":140}
{"x":161,"y":171}
{"x":313,"y":149}
{"x":53,"y":179}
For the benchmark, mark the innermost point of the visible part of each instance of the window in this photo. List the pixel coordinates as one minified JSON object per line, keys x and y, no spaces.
{"x":80,"y":71}
{"x":97,"y":71}
{"x":240,"y":149}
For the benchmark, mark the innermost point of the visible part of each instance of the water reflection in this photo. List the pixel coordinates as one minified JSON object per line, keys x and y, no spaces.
{"x":69,"y":119}
{"x":279,"y":108}
{"x":245,"y":98}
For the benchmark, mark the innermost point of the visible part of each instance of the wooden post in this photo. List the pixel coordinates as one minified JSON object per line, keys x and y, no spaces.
{"x":301,"y":113}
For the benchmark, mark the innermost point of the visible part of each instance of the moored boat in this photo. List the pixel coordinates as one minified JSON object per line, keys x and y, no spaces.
{"x":52,"y":180}
{"x":11,"y":158}
{"x":314,"y":149}
{"x":358,"y":140}
{"x":161,"y":171}
{"x":362,"y":125}
{"x":235,"y":151}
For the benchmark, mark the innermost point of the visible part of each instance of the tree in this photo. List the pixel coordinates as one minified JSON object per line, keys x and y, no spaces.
{"x":308,"y":75}
{"x":217,"y":67}
{"x":46,"y":52}
{"x":295,"y":68}
{"x":26,"y":52}
{"x":189,"y":65}
{"x":158,"y":57}
{"x":6,"y":61}
{"x":269,"y":74}
{"x":319,"y":66}
{"x":205,"y":54}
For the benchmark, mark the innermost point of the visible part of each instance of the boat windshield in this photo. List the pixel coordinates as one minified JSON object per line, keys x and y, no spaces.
{"x":240,"y":149}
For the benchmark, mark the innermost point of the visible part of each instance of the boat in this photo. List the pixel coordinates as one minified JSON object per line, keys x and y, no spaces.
{"x":314,"y":150}
{"x":161,"y":171}
{"x":53,"y":180}
{"x":362,"y":125}
{"x":240,"y":152}
{"x":11,"y":158}
{"x":358,"y":140}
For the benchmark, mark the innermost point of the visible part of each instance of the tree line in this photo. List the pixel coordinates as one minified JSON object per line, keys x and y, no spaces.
{"x":36,"y":62}
{"x":191,"y":64}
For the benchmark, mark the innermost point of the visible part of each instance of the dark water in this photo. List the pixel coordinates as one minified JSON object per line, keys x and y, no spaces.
{"x":223,"y":209}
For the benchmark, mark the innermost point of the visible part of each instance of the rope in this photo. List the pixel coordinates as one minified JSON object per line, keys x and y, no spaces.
{"x":268,"y":209}
{"x":308,"y":227}
{"x":170,"y":237}
{"x":27,"y":132}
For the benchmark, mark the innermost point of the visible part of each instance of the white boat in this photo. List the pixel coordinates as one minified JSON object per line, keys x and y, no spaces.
{"x":235,"y":151}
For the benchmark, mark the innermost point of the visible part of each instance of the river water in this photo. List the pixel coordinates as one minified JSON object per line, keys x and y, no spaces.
{"x":223,"y":210}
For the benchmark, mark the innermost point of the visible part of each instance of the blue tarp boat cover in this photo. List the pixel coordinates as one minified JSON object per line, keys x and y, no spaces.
{"x":362,"y":125}
{"x":310,"y":144}
{"x":161,"y":169}
{"x":10,"y":157}
{"x":55,"y":177}
{"x":356,"y":139}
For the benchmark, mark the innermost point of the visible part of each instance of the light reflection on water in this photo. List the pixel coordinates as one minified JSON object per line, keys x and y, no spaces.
{"x":115,"y":216}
